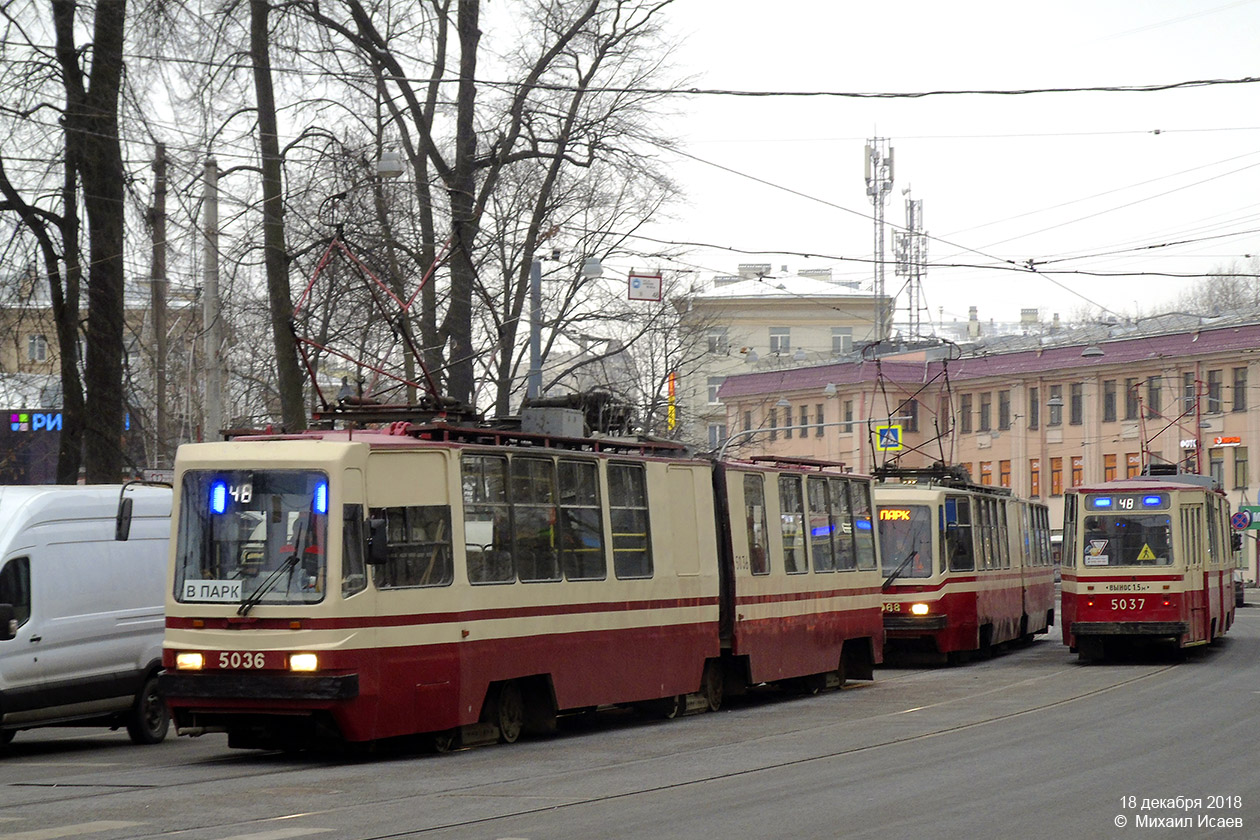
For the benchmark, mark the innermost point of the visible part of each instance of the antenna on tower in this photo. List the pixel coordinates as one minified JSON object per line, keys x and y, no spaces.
{"x":910,"y":249}
{"x":879,"y":181}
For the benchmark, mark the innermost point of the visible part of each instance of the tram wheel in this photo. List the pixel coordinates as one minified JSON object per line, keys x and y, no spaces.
{"x":711,"y":685}
{"x":508,"y":712}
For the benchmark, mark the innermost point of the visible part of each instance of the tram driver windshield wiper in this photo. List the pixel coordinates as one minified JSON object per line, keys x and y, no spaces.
{"x":914,"y":552}
{"x":289,"y":565}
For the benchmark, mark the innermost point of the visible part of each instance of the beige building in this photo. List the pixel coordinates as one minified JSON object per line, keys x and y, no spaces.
{"x":755,"y":322}
{"x":1036,"y":420}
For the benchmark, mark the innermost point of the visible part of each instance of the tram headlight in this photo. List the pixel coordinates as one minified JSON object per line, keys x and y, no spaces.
{"x":304,"y":662}
{"x":918,"y":609}
{"x":189,"y":661}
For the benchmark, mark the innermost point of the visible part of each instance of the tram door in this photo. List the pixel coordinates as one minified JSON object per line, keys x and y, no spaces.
{"x":1192,"y":540}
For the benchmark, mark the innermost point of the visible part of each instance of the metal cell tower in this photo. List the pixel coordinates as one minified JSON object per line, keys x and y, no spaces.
{"x":911,"y":250}
{"x":879,"y":181}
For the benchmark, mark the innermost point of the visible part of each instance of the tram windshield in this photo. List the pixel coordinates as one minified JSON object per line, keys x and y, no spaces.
{"x":905,"y":537}
{"x":1133,"y":540}
{"x":252,"y":536}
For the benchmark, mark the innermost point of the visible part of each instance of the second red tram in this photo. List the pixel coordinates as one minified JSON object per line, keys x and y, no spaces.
{"x":966,"y":566}
{"x":1149,"y":557}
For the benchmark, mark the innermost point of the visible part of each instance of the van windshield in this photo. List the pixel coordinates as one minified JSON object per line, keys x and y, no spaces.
{"x":252,"y":536}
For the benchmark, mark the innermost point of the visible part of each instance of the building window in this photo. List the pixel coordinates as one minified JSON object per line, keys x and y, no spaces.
{"x":818,"y":413}
{"x":1034,"y":409}
{"x":986,"y":473}
{"x":780,"y":339}
{"x":1078,"y":470}
{"x":717,"y":434}
{"x":1189,"y":392}
{"x":1216,"y":465}
{"x":773,"y":423}
{"x":1154,"y":399}
{"x":908,"y":415}
{"x":717,"y":340}
{"x":715,"y":382}
{"x":1241,"y":478}
{"x":37,"y":348}
{"x":1215,"y":405}
{"x":1109,"y":401}
{"x":1077,"y":397}
{"x":1056,"y":406}
{"x":1130,"y":399}
{"x":1132,"y":464}
{"x":1056,"y":476}
{"x":1109,"y":468}
{"x":1004,"y":473}
{"x":748,"y":420}
{"x":1034,"y":478}
{"x":787,"y":421}
{"x":964,"y":414}
{"x":1004,"y":410}
{"x":986,"y":411}
{"x":841,"y":340}
{"x":1240,"y":389}
{"x":848,"y":416}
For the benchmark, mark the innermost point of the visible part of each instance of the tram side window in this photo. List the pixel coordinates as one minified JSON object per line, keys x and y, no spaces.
{"x":1067,"y":548}
{"x":863,"y":530}
{"x":792,"y":515}
{"x":15,"y":588}
{"x":820,"y":525}
{"x":487,"y":519}
{"x":534,"y":517}
{"x":419,"y":547}
{"x":353,"y":572}
{"x":842,"y":525}
{"x":958,"y":537}
{"x":1003,"y":543}
{"x":581,"y":522}
{"x":1214,"y":534}
{"x":628,"y":512}
{"x":755,"y":519}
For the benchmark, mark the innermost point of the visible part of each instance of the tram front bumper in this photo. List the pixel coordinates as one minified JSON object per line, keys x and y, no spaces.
{"x":255,"y":686}
{"x":1130,"y":628}
{"x":914,"y":623}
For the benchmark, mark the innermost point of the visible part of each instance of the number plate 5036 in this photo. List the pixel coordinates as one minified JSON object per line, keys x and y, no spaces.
{"x":242,"y":660}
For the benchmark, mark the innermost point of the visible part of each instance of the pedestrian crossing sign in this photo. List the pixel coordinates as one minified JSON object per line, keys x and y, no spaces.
{"x":888,"y":438}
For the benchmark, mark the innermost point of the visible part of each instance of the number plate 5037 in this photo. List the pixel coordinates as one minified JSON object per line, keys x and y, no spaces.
{"x":242,"y":660}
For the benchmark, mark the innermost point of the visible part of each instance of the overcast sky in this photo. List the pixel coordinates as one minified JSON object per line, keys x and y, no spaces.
{"x":1094,"y":177}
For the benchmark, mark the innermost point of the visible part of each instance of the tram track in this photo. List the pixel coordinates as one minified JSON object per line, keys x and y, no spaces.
{"x":503,"y":796}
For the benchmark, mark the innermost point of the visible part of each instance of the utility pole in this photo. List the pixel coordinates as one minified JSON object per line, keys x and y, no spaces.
{"x":911,"y":251}
{"x":879,"y":181}
{"x":210,"y":305}
{"x":157,"y":291}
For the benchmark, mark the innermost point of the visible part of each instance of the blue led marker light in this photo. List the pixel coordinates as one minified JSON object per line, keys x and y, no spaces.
{"x":321,"y":497}
{"x":1104,"y":502}
{"x":1152,"y":501}
{"x":218,"y":497}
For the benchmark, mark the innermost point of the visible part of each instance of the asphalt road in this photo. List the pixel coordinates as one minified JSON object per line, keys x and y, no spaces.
{"x":1030,"y":744}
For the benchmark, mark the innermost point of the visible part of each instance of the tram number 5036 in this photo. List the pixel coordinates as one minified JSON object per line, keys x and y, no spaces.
{"x":239,"y":659}
{"x":1128,"y":603}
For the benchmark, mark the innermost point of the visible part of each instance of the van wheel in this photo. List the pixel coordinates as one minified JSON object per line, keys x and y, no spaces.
{"x":148,"y":721}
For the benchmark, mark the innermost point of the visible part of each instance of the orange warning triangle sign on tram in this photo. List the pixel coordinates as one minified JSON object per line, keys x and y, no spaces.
{"x":1146,"y":553}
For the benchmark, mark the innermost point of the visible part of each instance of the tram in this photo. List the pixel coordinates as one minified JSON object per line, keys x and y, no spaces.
{"x":470,"y":583}
{"x":1149,"y":557}
{"x":967,"y":566}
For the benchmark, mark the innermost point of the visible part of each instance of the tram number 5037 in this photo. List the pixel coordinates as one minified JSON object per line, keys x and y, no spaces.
{"x":1128,"y":603}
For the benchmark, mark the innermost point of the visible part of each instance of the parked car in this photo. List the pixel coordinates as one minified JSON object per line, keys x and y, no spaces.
{"x":82,"y":597}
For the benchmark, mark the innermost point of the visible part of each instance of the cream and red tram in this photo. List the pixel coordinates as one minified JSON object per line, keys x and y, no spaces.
{"x":473,"y":583}
{"x":966,"y":566}
{"x":1149,"y":557}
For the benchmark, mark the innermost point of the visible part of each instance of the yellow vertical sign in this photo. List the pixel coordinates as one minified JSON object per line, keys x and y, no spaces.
{"x":671,"y":412}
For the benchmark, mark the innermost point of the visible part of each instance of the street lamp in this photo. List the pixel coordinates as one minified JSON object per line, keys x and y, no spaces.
{"x":591,"y":269}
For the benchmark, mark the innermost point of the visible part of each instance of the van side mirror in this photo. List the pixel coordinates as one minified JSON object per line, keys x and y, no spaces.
{"x":8,"y":623}
{"x":122,"y":523}
{"x":378,"y":542}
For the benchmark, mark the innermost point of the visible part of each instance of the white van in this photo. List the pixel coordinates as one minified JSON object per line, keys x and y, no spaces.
{"x":82,"y":591}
